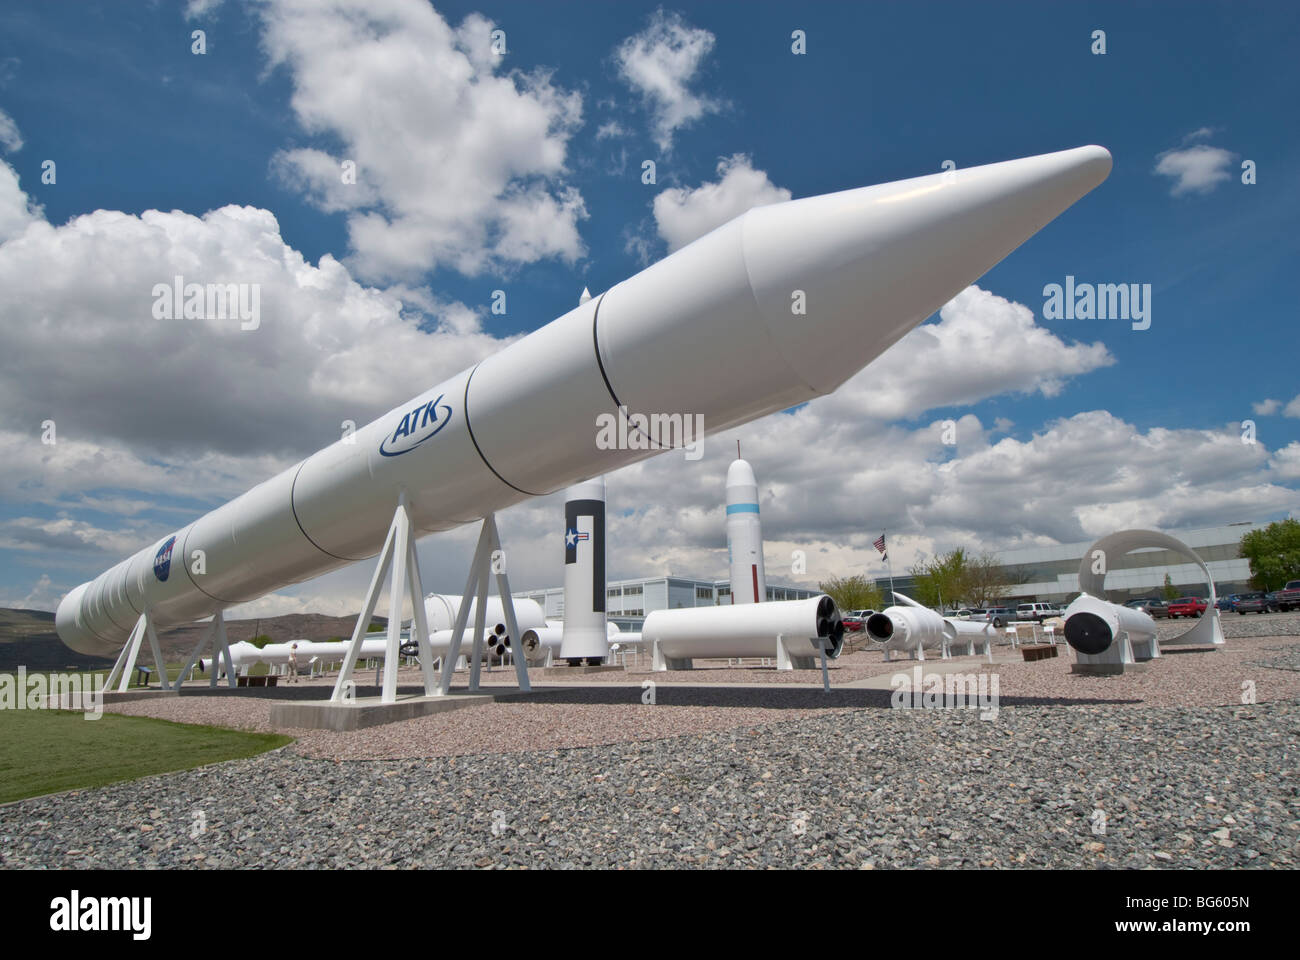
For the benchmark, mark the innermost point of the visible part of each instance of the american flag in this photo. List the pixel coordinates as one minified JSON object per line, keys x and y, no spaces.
{"x":879,"y":544}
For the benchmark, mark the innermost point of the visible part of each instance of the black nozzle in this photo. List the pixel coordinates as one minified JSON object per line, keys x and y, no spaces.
{"x":1088,"y":633}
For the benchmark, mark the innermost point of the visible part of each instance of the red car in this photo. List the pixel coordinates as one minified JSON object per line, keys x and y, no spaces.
{"x":1186,"y":607}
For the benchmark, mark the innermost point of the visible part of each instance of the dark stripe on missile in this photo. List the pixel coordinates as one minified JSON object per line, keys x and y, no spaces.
{"x":478,"y":449}
{"x":596,"y":510}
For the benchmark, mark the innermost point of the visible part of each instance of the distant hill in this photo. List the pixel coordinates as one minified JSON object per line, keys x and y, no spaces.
{"x":27,"y":637}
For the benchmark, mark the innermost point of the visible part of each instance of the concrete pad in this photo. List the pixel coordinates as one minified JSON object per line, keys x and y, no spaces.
{"x":372,"y":711}
{"x":560,"y":672}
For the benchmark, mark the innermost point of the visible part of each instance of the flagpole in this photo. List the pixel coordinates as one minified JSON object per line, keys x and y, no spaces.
{"x":889,"y":567}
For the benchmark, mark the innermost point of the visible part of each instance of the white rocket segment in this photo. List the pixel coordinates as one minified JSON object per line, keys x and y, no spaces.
{"x":744,"y":535}
{"x":1093,"y":624}
{"x":780,"y":305}
{"x":747,"y":630}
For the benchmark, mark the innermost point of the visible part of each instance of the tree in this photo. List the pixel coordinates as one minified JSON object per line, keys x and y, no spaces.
{"x":1171,"y":592}
{"x":943,"y":581}
{"x":987,"y":582}
{"x":853,"y":593}
{"x":1274,"y":554}
{"x":261,"y":640}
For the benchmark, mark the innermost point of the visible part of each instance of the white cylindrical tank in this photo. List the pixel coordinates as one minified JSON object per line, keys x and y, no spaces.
{"x":744,"y":535}
{"x":704,"y":333}
{"x":585,"y":630}
{"x":747,"y":630}
{"x":1092,"y":624}
{"x":441,"y":609}
{"x":907,"y":629}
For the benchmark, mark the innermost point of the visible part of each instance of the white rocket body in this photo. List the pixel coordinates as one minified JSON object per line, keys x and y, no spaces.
{"x":776,"y":307}
{"x":747,"y":630}
{"x":744,"y":535}
{"x":585,"y":629}
{"x":1093,"y":625}
{"x":907,"y":628}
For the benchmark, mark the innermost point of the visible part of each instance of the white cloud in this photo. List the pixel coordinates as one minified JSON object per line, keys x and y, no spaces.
{"x":457,"y":163}
{"x":660,"y":63}
{"x":1292,"y":409}
{"x":1286,"y":462}
{"x":611,"y":130}
{"x":10,"y":138}
{"x":17,"y":210}
{"x":79,"y":343}
{"x":1266,"y":408}
{"x":684,"y":214}
{"x":1197,"y":169}
{"x":976,"y":350}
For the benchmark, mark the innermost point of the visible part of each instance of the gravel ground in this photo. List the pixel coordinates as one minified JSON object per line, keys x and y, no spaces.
{"x":1074,"y":786}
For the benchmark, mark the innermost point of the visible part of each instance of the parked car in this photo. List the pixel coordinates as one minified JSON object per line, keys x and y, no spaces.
{"x":1187,"y":607}
{"x":1225,"y":603}
{"x":1288,"y":597}
{"x":971,"y":613}
{"x":1037,"y":611}
{"x":999,"y":616}
{"x":1252,"y":603}
{"x":1156,"y":609}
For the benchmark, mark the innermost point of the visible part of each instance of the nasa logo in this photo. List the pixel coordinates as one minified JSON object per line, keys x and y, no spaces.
{"x":416,"y":427}
{"x":162,"y":561}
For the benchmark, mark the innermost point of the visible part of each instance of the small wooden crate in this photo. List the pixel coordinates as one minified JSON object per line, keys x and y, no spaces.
{"x":1038,"y":651}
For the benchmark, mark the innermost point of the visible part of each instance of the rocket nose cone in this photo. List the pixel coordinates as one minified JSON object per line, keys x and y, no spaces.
{"x":860,"y":268}
{"x":741,"y":474}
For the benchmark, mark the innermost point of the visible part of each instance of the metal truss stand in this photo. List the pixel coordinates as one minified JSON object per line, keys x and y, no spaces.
{"x":484,"y":565}
{"x":216,"y":632}
{"x":126,"y":659}
{"x":399,"y":555}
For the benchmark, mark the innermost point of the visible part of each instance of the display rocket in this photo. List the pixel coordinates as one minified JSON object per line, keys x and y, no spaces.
{"x":772,"y":309}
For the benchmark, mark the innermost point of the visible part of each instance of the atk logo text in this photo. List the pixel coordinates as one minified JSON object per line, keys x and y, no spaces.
{"x":416,"y":427}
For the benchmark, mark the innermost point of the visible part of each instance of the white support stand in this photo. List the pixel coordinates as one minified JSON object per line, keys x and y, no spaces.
{"x":826,"y":676}
{"x":489,"y":545}
{"x":786,"y":661}
{"x":660,"y":663}
{"x":216,"y":632}
{"x":125,"y":663}
{"x":399,"y":554}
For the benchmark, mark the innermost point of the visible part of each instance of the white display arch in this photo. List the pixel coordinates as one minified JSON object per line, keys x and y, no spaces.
{"x":1207,"y":631}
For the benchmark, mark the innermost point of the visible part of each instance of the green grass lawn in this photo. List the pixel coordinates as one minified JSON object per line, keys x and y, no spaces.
{"x":45,"y":751}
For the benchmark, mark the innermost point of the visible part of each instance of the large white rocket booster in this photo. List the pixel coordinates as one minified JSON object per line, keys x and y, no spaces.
{"x":791,"y":631}
{"x":744,"y":535}
{"x":778,"y":306}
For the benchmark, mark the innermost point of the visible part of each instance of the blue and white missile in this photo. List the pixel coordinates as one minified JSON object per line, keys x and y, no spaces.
{"x":778,"y":306}
{"x":744,"y":535}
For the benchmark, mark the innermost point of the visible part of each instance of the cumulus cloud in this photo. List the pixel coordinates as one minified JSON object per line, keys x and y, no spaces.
{"x":17,"y":210}
{"x":10,"y":138}
{"x":81,"y":345}
{"x":1292,"y":409}
{"x":660,"y":63}
{"x":683,"y":214}
{"x":1195,"y":169}
{"x":458,"y":162}
{"x":1266,"y":408}
{"x":976,"y":350}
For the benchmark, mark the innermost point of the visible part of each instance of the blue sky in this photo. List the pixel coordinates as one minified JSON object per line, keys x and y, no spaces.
{"x":136,"y":122}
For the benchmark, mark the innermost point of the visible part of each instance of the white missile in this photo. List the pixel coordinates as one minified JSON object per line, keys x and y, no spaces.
{"x":776,"y":307}
{"x":744,"y":535}
{"x":585,"y":632}
{"x":374,"y":647}
{"x":792,"y":631}
{"x":912,"y":628}
{"x":1104,"y":634}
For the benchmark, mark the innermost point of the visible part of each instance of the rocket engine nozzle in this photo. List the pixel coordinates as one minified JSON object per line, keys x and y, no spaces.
{"x":1088,"y":633}
{"x":880,"y":627}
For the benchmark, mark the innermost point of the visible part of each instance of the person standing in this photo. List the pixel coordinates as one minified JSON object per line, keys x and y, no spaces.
{"x":293,"y":663}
